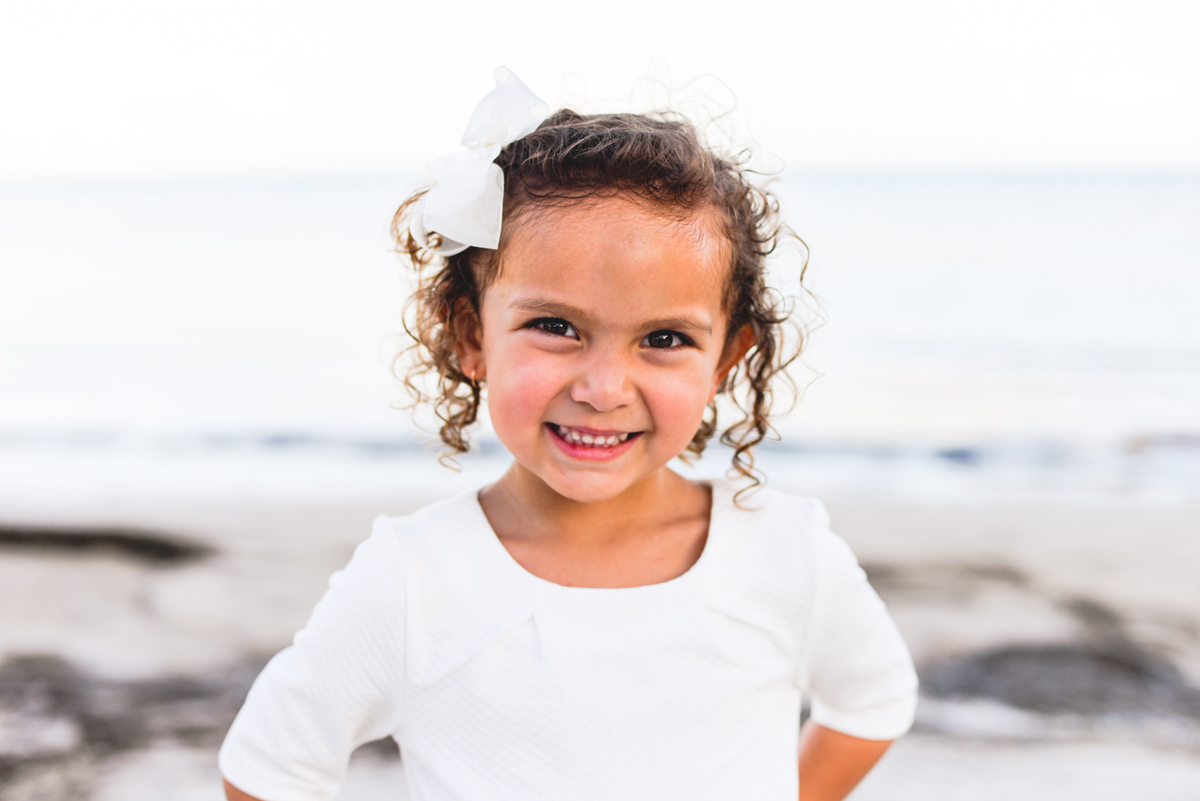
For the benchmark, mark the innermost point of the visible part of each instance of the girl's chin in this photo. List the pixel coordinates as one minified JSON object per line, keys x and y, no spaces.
{"x":582,"y":485}
{"x":589,"y":491}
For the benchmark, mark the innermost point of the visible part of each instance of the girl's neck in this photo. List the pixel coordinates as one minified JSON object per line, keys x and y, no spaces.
{"x":651,"y":533}
{"x":530,"y":509}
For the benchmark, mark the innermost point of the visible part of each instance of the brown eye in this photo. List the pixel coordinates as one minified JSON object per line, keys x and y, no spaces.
{"x":555,"y":326}
{"x":663,"y":339}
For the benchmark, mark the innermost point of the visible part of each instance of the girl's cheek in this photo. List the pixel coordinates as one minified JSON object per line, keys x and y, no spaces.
{"x":683,"y":386}
{"x":684,"y":391}
{"x":519,"y":389}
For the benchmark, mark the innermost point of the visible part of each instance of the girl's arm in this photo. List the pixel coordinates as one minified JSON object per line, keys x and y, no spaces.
{"x":831,"y":763}
{"x":234,"y":794}
{"x":337,"y":686}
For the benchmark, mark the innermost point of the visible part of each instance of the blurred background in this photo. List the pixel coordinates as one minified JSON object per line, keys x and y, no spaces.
{"x":1001,"y":405}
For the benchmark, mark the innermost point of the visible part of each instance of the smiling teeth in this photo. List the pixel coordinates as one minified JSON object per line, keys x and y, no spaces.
{"x":588,"y":440}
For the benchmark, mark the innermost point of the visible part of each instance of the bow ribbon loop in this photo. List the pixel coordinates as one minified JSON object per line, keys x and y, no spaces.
{"x":466,"y":204}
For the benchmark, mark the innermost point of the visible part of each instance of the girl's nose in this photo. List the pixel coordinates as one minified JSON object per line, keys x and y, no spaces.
{"x":604,"y":383}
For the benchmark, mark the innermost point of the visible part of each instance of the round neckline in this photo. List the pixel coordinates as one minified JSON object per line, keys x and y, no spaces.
{"x":716,"y":526}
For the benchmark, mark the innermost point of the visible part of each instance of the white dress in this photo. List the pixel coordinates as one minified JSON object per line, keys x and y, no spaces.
{"x":501,"y":686}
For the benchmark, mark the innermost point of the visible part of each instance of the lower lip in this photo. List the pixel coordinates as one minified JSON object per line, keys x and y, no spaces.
{"x":591,"y":454}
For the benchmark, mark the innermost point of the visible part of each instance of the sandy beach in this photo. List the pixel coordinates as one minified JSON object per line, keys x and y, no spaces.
{"x":1059,"y":643}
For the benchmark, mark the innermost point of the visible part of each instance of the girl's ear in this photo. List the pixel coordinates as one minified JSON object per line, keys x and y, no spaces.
{"x":468,"y":340}
{"x":742,"y":341}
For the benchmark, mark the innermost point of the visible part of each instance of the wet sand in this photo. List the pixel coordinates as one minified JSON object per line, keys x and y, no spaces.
{"x":1059,"y":643}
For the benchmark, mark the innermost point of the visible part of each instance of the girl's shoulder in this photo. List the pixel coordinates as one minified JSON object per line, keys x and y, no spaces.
{"x":779,"y":542}
{"x":767,"y":504}
{"x":764,"y":517}
{"x":444,"y":522}
{"x":447,"y":549}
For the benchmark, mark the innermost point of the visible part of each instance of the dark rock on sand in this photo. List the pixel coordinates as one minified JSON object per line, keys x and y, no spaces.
{"x":50,"y":712}
{"x":1083,"y":679}
{"x":141,"y":546}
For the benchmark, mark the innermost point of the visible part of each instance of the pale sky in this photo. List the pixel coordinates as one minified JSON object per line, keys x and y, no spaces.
{"x":137,"y":90}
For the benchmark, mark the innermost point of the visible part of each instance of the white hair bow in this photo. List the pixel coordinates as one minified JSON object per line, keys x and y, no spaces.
{"x":466,"y":204}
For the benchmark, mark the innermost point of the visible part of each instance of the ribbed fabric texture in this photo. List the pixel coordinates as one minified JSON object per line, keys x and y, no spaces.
{"x":499,"y":685}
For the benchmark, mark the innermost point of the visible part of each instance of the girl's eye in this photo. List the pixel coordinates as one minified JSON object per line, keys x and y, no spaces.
{"x":664,"y":340}
{"x":555,"y":326}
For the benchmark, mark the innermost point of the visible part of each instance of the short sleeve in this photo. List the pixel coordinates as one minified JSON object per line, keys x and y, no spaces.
{"x":857,"y":667}
{"x":336,"y":687}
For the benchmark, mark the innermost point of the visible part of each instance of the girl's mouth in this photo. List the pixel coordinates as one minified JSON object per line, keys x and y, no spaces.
{"x":591,"y":445}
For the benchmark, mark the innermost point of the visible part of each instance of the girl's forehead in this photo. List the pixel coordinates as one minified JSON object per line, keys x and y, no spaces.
{"x":616,"y":229}
{"x":628,"y":208}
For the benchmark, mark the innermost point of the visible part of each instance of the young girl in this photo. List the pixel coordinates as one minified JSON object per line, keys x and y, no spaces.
{"x":593,"y":625}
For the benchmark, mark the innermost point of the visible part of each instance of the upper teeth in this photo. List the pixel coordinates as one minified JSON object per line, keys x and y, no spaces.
{"x":576,"y":438}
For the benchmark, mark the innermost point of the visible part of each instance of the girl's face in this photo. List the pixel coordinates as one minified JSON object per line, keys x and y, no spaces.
{"x":601,"y":342}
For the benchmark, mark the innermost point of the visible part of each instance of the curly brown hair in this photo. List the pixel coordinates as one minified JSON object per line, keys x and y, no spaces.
{"x":572,"y":158}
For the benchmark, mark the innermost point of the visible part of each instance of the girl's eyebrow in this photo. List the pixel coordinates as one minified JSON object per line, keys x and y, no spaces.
{"x":553,"y":308}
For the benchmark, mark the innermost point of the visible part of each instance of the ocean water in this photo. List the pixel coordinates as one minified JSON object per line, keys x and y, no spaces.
{"x":969,"y":336}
